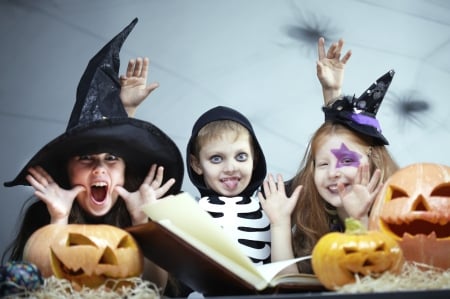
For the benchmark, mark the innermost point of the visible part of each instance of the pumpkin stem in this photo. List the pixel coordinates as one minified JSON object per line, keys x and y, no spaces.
{"x":354,"y":227}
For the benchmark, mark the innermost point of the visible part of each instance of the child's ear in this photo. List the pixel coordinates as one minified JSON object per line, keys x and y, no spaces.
{"x":195,"y":164}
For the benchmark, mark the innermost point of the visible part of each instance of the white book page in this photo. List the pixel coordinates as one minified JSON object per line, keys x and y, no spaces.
{"x":269,"y":271}
{"x":186,"y":215}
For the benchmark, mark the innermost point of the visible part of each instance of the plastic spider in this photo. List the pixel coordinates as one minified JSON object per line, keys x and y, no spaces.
{"x":309,"y":28}
{"x":410,"y":107}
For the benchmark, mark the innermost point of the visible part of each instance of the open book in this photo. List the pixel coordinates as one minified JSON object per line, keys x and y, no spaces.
{"x":185,"y":240}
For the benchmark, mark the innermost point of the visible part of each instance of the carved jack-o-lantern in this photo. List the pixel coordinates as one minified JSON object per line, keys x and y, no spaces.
{"x":338,"y":257}
{"x":414,"y":208}
{"x":86,"y":255}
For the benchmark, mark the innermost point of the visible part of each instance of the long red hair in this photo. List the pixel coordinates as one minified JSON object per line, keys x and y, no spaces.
{"x":313,"y":216}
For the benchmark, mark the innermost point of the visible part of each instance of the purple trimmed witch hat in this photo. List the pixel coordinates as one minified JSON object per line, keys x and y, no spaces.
{"x":359,"y":114}
{"x":100,"y":124}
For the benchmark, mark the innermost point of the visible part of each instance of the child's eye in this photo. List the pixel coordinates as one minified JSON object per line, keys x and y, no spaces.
{"x":347,"y":161}
{"x":216,"y":159}
{"x":111,"y":157}
{"x":321,"y":164}
{"x":242,"y":157}
{"x":84,"y":157}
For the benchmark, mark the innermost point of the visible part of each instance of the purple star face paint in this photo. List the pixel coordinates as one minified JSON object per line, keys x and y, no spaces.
{"x":346,"y":157}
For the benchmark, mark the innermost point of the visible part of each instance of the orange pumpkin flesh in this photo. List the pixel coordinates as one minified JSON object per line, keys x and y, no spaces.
{"x":86,"y":255}
{"x":37,"y":248}
{"x":338,"y":257}
{"x":414,"y":208}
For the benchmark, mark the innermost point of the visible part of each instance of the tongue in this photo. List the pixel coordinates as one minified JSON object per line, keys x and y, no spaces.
{"x":231,"y":183}
{"x":98,"y":193}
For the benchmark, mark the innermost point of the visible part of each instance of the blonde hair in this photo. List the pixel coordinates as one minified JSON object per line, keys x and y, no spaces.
{"x":215,"y":130}
{"x":313,"y":216}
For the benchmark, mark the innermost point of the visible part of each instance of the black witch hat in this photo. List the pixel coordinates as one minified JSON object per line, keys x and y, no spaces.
{"x":359,"y":114}
{"x":99,"y":123}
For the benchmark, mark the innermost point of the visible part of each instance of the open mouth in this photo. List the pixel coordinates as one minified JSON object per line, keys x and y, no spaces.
{"x":231,"y":182}
{"x":420,"y":227}
{"x":98,"y":192}
{"x":334,"y":188}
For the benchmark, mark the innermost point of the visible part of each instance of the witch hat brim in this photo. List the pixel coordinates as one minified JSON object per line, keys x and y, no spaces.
{"x":139,"y":143}
{"x":99,"y":124}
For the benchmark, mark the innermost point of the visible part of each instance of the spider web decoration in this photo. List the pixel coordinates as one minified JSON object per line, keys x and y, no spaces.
{"x":410,"y":107}
{"x":309,"y":27}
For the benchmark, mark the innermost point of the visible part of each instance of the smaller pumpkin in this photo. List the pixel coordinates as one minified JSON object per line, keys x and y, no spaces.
{"x":86,"y":255}
{"x":338,"y":257}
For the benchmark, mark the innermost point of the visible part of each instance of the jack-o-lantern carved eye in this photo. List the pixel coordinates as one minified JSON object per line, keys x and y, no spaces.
{"x":397,"y":193}
{"x":126,"y":242}
{"x":75,"y":239}
{"x":349,"y":250}
{"x":443,"y":191}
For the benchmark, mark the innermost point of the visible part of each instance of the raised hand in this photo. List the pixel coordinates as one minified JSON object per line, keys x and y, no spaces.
{"x":58,"y":200}
{"x":358,"y":200}
{"x":330,"y":68}
{"x":150,"y":191}
{"x":277,"y":205}
{"x":154,"y":179}
{"x":134,"y":88}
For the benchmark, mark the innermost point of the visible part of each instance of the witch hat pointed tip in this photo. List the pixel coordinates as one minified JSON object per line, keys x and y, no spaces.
{"x":138,"y":142}
{"x":370,"y":100}
{"x":359,"y":113}
{"x":99,"y":87}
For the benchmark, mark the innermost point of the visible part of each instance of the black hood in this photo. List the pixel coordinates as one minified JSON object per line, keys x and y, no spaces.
{"x":226,"y":113}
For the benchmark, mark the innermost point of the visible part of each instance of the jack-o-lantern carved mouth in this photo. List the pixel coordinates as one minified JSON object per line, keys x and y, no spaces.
{"x":88,"y":264}
{"x":418,"y":227}
{"x":66,"y":271}
{"x":367,"y":262}
{"x":426,"y":215}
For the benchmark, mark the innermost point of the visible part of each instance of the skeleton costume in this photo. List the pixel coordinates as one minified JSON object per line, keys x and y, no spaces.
{"x":241,"y":216}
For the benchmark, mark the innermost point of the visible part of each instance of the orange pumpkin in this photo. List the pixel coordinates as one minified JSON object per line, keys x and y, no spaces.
{"x":414,"y":208}
{"x":86,"y":255}
{"x":338,"y":257}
